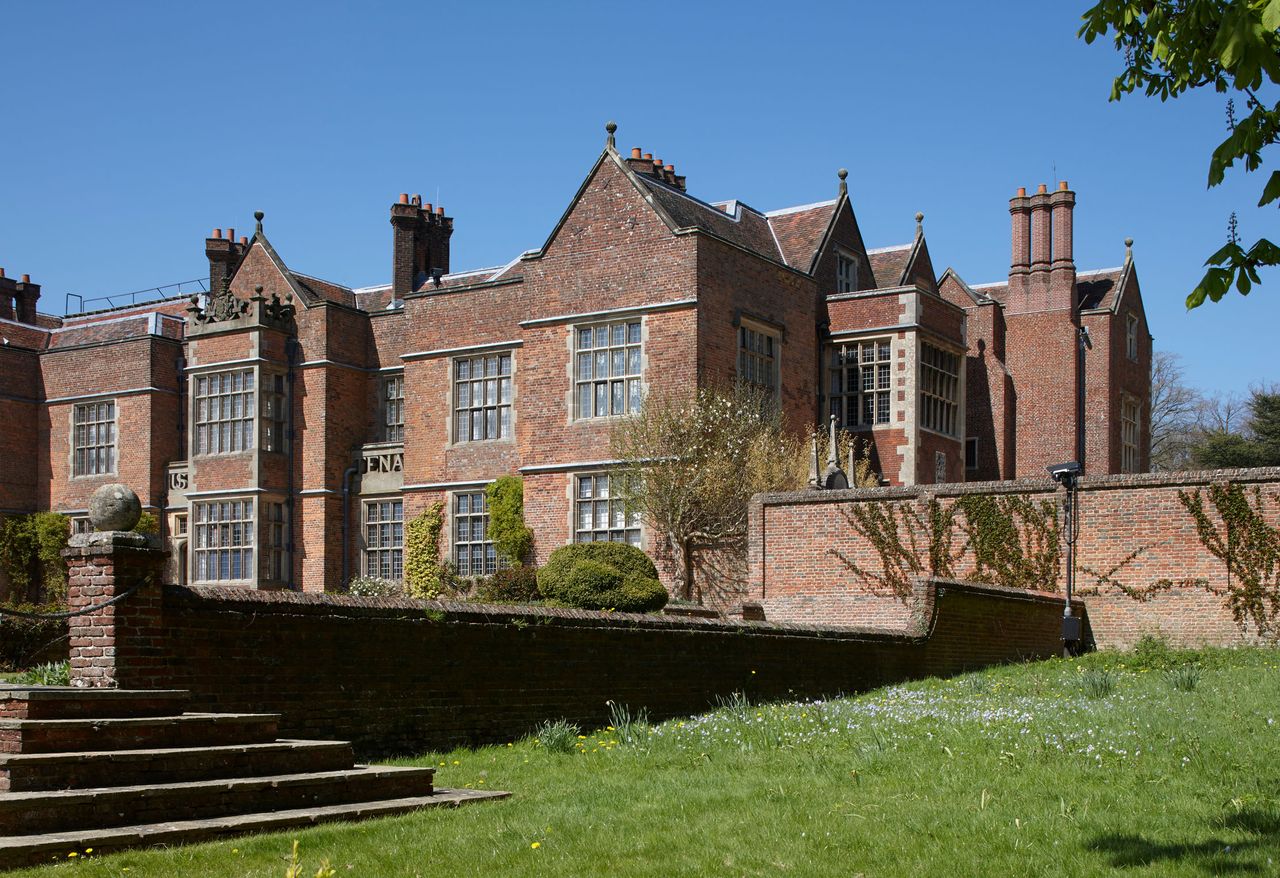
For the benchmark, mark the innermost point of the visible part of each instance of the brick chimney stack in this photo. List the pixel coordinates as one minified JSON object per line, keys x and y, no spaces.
{"x":1041,"y":241}
{"x":224,"y":256}
{"x":1062,"y":267}
{"x":18,"y":298}
{"x":420,"y":243}
{"x":645,"y":164}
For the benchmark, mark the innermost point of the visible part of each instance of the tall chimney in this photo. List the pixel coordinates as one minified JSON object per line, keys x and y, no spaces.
{"x":1062,"y":203}
{"x":221,"y":253}
{"x":26,"y":295}
{"x":7,"y":290}
{"x":420,"y":244}
{"x":1041,"y":243}
{"x":1020,"y":236}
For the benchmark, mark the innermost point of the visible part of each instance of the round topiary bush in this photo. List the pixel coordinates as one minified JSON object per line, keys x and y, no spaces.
{"x":602,"y":576}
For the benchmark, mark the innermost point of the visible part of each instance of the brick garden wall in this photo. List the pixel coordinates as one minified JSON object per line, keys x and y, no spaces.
{"x":796,"y":575}
{"x":396,"y":675}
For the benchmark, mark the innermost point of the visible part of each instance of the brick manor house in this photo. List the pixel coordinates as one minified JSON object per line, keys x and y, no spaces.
{"x":282,"y":428}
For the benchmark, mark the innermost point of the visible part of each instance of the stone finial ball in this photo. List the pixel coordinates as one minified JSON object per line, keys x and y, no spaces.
{"x":114,"y":507}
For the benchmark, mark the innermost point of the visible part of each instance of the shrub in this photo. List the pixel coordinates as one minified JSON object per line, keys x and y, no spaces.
{"x":602,"y":576}
{"x":512,"y":538}
{"x":1098,"y":682}
{"x":22,"y":640}
{"x":49,"y":674}
{"x":31,"y":553}
{"x":147,"y":524}
{"x":1184,"y":678}
{"x":374,"y":587}
{"x":560,"y":736}
{"x":425,"y":575}
{"x":512,"y":585}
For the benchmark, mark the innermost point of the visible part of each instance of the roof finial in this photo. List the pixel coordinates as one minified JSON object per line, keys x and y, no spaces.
{"x":919,"y":222}
{"x":843,"y":174}
{"x":258,"y":215}
{"x":610,"y":127}
{"x":1128,"y":249}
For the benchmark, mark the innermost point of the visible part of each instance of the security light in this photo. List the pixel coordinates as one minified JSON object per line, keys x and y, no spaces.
{"x":1065,"y":473}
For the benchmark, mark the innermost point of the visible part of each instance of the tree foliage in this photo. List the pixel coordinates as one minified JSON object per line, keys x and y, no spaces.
{"x":1257,"y":444}
{"x":512,"y":538}
{"x":1232,"y":46}
{"x":31,"y":555}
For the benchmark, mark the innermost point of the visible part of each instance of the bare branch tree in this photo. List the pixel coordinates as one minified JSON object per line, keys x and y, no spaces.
{"x":1175,"y":409}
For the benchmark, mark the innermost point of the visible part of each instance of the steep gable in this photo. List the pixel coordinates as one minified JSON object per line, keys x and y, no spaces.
{"x":799,"y":231}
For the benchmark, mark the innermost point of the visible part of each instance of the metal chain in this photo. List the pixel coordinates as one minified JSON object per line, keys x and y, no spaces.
{"x":81,"y":612}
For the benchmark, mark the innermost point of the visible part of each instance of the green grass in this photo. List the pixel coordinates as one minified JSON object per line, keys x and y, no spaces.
{"x":1021,"y":770}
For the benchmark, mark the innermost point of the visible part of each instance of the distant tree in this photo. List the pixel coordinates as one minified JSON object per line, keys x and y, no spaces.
{"x":692,"y":462}
{"x":1228,"y":413}
{"x":1174,"y":410}
{"x":1222,"y":450}
{"x":1233,"y":46}
{"x":1232,"y":438}
{"x":1264,"y":424}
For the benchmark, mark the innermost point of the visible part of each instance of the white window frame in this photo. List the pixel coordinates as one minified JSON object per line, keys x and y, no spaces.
{"x":93,"y":438}
{"x":232,"y":531}
{"x":618,"y":521}
{"x":496,"y":407}
{"x":383,"y":552}
{"x":1130,"y":430}
{"x":849,"y":364}
{"x":229,"y":419}
{"x":760,"y":356}
{"x":940,"y":390}
{"x":620,"y":392}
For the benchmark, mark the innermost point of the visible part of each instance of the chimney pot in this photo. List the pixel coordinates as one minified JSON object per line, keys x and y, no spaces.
{"x":217,"y":233}
{"x":658,"y":162}
{"x":417,"y":199}
{"x":1042,"y":189}
{"x":635,"y":152}
{"x":1062,"y":185}
{"x":1022,"y":191}
{"x":648,"y":155}
{"x":670,"y":167}
{"x":404,"y":197}
{"x":439,"y":211}
{"x":231,"y":234}
{"x":1,"y":272}
{"x":428,"y":208}
{"x":244,"y":239}
{"x":26,"y":278}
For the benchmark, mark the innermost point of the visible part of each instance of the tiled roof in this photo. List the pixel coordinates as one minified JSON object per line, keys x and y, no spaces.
{"x":888,"y":264}
{"x":102,"y":331}
{"x":748,"y":229}
{"x":324,"y":291}
{"x":1098,"y":289}
{"x":799,"y":231}
{"x":22,"y":335}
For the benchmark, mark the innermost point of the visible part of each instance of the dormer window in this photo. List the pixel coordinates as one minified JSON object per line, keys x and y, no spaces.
{"x":846,"y":273}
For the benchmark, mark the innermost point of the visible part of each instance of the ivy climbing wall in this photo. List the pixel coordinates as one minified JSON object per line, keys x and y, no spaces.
{"x":1194,"y":557}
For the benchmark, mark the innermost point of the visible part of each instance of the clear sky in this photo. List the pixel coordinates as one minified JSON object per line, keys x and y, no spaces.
{"x":132,"y":130}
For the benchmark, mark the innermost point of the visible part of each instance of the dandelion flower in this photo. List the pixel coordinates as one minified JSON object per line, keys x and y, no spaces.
{"x":536,"y":845}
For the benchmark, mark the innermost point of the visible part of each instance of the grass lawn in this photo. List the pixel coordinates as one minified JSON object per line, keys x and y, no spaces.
{"x":1057,"y":768}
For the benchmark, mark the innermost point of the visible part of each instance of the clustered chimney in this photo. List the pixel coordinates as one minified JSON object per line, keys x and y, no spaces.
{"x":18,"y":298}
{"x":421,"y":244}
{"x":1042,"y":269}
{"x":645,"y":163}
{"x":225,"y":254}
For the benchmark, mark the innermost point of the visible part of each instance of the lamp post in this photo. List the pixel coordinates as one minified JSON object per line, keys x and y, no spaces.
{"x":1068,"y":475}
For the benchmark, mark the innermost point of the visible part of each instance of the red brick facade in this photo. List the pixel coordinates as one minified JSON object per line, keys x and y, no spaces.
{"x":261,"y":407}
{"x":1134,"y":533}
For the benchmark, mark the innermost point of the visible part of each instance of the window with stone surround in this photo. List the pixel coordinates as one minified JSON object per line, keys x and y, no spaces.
{"x":846,"y":273}
{"x":473,"y":551}
{"x":224,"y":412}
{"x":482,"y":397}
{"x":93,"y":439}
{"x":1129,"y":411}
{"x":939,"y":390}
{"x":274,"y":544}
{"x":392,"y":409}
{"x":1131,"y":336}
{"x":758,"y":350}
{"x":607,"y":366}
{"x":223,"y":540}
{"x":384,"y":539}
{"x":274,"y":413}
{"x":861,"y":381}
{"x":600,"y":511}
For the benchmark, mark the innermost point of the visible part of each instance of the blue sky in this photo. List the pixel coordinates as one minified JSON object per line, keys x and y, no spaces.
{"x":132,"y":130}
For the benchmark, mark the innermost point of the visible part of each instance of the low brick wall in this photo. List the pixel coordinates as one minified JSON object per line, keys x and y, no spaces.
{"x":1133,"y":529}
{"x":405,"y":676}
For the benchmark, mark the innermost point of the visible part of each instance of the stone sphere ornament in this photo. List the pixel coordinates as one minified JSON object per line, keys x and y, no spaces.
{"x":114,"y":507}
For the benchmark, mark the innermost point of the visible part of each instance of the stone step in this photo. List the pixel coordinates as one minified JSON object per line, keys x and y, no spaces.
{"x":136,"y":733}
{"x":65,"y":702}
{"x":30,"y":850}
{"x":27,"y":772}
{"x":105,"y":807}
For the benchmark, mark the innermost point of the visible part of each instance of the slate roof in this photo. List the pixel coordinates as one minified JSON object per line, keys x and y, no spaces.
{"x":324,"y":291}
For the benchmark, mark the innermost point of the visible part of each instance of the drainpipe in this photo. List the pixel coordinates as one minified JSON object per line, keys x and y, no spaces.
{"x":346,"y":524}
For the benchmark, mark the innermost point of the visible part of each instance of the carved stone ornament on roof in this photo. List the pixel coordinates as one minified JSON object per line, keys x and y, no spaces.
{"x":219,"y":306}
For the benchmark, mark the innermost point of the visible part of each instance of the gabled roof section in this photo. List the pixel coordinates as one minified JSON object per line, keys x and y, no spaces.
{"x":889,"y":264}
{"x":303,"y":294}
{"x":1100,"y":290}
{"x":950,"y":280}
{"x":323,"y":290}
{"x":801,"y":230}
{"x":746,"y":227}
{"x":919,"y":266}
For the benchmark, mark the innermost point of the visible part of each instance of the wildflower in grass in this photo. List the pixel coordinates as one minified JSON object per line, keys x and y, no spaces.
{"x":536,"y":845}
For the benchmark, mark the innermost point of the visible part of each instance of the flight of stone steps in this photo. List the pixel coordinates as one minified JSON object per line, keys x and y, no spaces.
{"x":108,"y":769}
